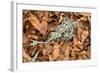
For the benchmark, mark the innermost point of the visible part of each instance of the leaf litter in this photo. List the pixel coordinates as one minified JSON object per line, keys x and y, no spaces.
{"x":56,"y":36}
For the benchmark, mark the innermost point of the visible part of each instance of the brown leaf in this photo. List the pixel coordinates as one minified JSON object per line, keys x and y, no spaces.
{"x":33,"y":36}
{"x":41,"y":27}
{"x":83,"y":53}
{"x":86,"y":14}
{"x":55,"y":54}
{"x":73,"y":54}
{"x":49,"y":48}
{"x":56,"y":51}
{"x":43,"y":15}
{"x":61,"y":17}
{"x":25,"y":39}
{"x":44,"y":51}
{"x":83,"y":18}
{"x":44,"y":27}
{"x":79,"y":31}
{"x":84,"y":35}
{"x":77,"y":44}
{"x":26,"y":55}
{"x":66,"y":52}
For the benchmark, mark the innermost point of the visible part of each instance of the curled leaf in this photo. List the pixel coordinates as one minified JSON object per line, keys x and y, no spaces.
{"x":33,"y":36}
{"x":84,"y":35}
{"x":86,"y":14}
{"x":55,"y":54}
{"x":79,"y":31}
{"x":41,"y":27}
{"x":26,"y":56}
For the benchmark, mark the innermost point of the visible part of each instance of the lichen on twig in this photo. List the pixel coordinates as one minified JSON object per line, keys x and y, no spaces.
{"x":64,"y":31}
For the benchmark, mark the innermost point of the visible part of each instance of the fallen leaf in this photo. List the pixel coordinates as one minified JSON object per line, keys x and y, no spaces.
{"x":79,"y":31}
{"x":44,"y":27}
{"x":44,"y":52}
{"x":33,"y":36}
{"x":83,"y":18}
{"x":25,"y":39}
{"x":26,"y":56}
{"x":49,"y":48}
{"x":61,"y":17}
{"x":55,"y":54}
{"x":73,"y":54}
{"x":56,"y":51}
{"x":77,"y":44}
{"x":41,"y":27}
{"x":84,"y":35}
{"x":86,"y":14}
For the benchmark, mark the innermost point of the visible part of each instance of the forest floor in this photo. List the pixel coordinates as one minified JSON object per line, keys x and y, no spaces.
{"x":56,"y":36}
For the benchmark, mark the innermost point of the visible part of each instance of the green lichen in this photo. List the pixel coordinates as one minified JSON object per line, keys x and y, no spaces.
{"x":34,"y":59}
{"x":63,"y":31}
{"x":34,"y":43}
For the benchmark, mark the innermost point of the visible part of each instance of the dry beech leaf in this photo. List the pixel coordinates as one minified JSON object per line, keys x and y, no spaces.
{"x":26,"y":56}
{"x":49,"y":48}
{"x":43,"y":15}
{"x":66,"y":58}
{"x":84,"y":56}
{"x":77,"y":44}
{"x":51,"y":28}
{"x":44,"y":51}
{"x":41,"y":27}
{"x":33,"y":36}
{"x":61,"y":17}
{"x":80,"y":57}
{"x":55,"y":54}
{"x":65,"y":49}
{"x":44,"y":27}
{"x":25,"y":39}
{"x":83,"y":18}
{"x":74,"y":41}
{"x":84,"y":35}
{"x":44,"y":19}
{"x":76,"y":49}
{"x":50,"y":56}
{"x":86,"y":14}
{"x":56,"y":51}
{"x":83,"y":53}
{"x":61,"y":57}
{"x":89,"y":19}
{"x":66,"y":53}
{"x":79,"y":31}
{"x":73,"y":54}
